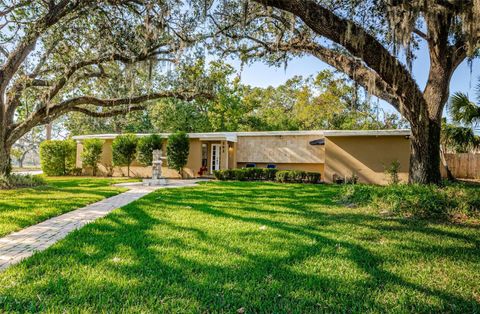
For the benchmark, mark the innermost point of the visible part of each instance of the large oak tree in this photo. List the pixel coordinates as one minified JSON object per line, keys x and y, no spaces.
{"x":100,"y":58}
{"x":374,"y":42}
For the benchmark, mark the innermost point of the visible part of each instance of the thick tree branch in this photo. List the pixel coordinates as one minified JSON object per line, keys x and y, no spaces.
{"x":107,"y":114}
{"x":27,"y":45}
{"x":46,"y":114}
{"x":359,"y":43}
{"x":69,"y":72}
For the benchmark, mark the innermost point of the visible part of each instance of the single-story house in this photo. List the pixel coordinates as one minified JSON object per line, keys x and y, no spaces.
{"x":334,"y":154}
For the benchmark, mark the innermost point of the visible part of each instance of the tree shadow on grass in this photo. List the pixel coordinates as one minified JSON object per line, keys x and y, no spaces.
{"x":201,"y":249}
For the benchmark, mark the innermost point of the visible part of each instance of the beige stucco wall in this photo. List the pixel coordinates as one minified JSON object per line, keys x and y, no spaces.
{"x":289,"y":149}
{"x":137,"y":170}
{"x":286,"y":152}
{"x":366,"y":156}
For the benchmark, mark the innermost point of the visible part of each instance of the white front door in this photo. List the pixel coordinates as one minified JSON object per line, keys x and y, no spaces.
{"x":215,"y":158}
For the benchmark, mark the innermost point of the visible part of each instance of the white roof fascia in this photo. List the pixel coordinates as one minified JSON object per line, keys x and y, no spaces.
{"x":281,"y":133}
{"x":399,"y":132}
{"x":232,"y":136}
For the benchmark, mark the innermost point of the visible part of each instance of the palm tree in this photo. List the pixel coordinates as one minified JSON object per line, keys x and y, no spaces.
{"x":465,"y":115}
{"x":463,"y":111}
{"x":459,"y":136}
{"x":458,"y":139}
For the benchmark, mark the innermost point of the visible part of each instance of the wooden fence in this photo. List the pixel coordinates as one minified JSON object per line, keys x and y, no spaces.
{"x":464,"y":166}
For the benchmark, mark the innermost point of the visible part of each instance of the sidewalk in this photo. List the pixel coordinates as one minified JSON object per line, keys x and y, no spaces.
{"x":24,"y":243}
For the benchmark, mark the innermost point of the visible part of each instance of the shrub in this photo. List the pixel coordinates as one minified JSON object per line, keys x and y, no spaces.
{"x":312,"y":177}
{"x":298,"y":176}
{"x":91,"y":154}
{"x":14,"y":181}
{"x":146,"y":146}
{"x":269,"y":174}
{"x":178,"y":148}
{"x":124,"y":149}
{"x":282,"y":176}
{"x":57,"y":158}
{"x":352,"y":179}
{"x":424,"y":201}
{"x":263,"y":174}
{"x":392,"y":172}
{"x":247,"y":174}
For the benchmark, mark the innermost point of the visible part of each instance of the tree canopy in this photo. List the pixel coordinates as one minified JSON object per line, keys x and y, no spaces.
{"x":325,"y":101}
{"x":99,"y":58}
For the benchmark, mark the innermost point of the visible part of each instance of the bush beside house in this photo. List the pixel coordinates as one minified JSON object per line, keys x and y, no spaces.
{"x":57,"y":158}
{"x":91,"y":154}
{"x":146,"y":146}
{"x":124,"y":150}
{"x":263,"y":174}
{"x":178,"y":148}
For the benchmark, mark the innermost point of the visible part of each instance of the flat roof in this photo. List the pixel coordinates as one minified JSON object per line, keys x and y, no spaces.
{"x":396,"y":132}
{"x":229,"y":136}
{"x":232,"y":136}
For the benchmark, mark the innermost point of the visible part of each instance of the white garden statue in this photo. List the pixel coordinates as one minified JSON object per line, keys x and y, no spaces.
{"x":157,"y":178}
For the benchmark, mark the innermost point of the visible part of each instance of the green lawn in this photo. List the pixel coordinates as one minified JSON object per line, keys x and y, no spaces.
{"x":21,"y":208}
{"x":263,"y":247}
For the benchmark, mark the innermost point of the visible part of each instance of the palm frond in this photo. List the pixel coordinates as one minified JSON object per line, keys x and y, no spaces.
{"x":459,"y":139}
{"x":462,"y":110}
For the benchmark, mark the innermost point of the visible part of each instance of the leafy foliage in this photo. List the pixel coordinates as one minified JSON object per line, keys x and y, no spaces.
{"x":264,"y":174}
{"x":423,"y":201}
{"x":297,"y":176}
{"x":464,"y":111}
{"x":325,"y":101}
{"x":145,"y":147}
{"x":391,"y":170}
{"x":91,"y":154}
{"x":459,"y":139}
{"x":97,"y":58}
{"x":124,"y":149}
{"x":57,"y":158}
{"x":178,"y":148}
{"x":247,"y":174}
{"x":459,"y":136}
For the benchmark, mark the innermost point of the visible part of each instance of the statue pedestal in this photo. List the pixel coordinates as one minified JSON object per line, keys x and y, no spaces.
{"x":154,"y":182}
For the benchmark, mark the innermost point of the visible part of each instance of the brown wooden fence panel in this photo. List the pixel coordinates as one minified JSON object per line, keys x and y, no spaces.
{"x":464,"y":166}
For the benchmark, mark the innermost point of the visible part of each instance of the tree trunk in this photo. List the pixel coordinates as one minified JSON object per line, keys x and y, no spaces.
{"x":5,"y":162}
{"x":425,"y":153}
{"x":450,"y":175}
{"x":48,"y":129}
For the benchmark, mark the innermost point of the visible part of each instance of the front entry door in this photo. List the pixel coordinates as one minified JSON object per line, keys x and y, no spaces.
{"x":215,"y":160}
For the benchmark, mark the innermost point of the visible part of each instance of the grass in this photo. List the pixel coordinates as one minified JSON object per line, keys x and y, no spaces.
{"x":21,"y":208}
{"x":228,"y":247}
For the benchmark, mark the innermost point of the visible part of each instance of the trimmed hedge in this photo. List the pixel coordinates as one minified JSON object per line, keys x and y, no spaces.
{"x":124,"y":150}
{"x":424,"y":201}
{"x":145,"y":147}
{"x":297,"y":176}
{"x":57,"y":158}
{"x":263,"y":174}
{"x":91,"y":155}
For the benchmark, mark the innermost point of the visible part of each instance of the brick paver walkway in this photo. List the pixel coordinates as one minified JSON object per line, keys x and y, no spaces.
{"x":22,"y":244}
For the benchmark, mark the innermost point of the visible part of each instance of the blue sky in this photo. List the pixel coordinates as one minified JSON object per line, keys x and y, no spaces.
{"x":262,"y":75}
